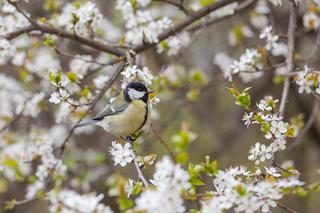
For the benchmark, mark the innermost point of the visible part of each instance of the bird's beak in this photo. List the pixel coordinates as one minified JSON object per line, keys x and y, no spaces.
{"x":150,"y":92}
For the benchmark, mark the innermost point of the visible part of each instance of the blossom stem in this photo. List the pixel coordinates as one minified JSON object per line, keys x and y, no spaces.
{"x":140,"y":174}
{"x":288,"y":209}
{"x":290,"y":56}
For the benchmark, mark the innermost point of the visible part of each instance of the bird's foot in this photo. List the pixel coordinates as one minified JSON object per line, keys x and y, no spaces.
{"x":129,"y":139}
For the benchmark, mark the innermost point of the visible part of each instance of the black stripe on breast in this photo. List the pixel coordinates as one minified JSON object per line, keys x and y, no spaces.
{"x":145,"y":117}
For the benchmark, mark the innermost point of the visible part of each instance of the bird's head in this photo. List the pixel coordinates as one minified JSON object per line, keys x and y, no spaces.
{"x":136,"y":90}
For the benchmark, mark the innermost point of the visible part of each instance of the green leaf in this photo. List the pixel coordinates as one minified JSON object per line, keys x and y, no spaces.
{"x":198,"y":78}
{"x":10,"y":204}
{"x":196,"y":181}
{"x":100,"y":158}
{"x":137,"y":188}
{"x":55,"y":78}
{"x":265,"y":127}
{"x":182,"y":157}
{"x":125,"y":203}
{"x":10,"y":162}
{"x":193,"y":94}
{"x":205,"y":3}
{"x":75,"y":18}
{"x":241,"y":190}
{"x":49,"y":41}
{"x":301,"y":192}
{"x":72,"y":77}
{"x":209,"y":168}
{"x":242,"y":99}
{"x":85,"y":92}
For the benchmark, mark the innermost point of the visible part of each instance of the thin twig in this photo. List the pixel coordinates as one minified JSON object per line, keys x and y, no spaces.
{"x":289,"y":61}
{"x":312,"y":118}
{"x":183,"y":24}
{"x":55,"y":31}
{"x":10,"y":123}
{"x":290,"y":56}
{"x":179,"y":5}
{"x":93,"y":104}
{"x":140,"y":174}
{"x":208,"y":23}
{"x":163,"y":142}
{"x":59,"y":52}
{"x":288,"y":209}
{"x":314,"y":49}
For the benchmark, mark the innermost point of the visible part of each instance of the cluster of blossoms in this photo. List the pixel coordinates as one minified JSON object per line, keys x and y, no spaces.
{"x":19,"y":101}
{"x":247,"y":66}
{"x":272,"y":40}
{"x":272,"y":126}
{"x":237,"y":34}
{"x":65,"y":201}
{"x":16,"y":159}
{"x":141,"y":25}
{"x":258,"y":17}
{"x":82,"y":19}
{"x":132,"y":73}
{"x":144,"y":27}
{"x":121,"y":154}
{"x":233,"y":190}
{"x":170,"y":179}
{"x":311,"y":19}
{"x":10,"y":20}
{"x":6,"y":51}
{"x":250,"y":64}
{"x":307,"y":79}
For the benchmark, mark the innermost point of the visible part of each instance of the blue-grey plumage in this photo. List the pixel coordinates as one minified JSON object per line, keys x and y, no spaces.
{"x":127,"y":114}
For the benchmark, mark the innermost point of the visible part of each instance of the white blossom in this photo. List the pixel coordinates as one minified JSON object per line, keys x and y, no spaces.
{"x":6,"y":50}
{"x":272,"y":40}
{"x":224,"y":61}
{"x":82,"y":20}
{"x":303,"y":81}
{"x":277,"y":129}
{"x":121,"y":154}
{"x":169,"y":180}
{"x":68,"y":201}
{"x":311,"y":20}
{"x":260,"y":153}
{"x":247,"y":118}
{"x":272,"y":171}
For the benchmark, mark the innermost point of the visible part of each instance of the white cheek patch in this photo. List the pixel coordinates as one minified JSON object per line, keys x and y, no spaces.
{"x":134,"y":94}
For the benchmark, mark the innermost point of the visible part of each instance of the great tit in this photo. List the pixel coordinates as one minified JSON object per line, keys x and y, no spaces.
{"x":127,"y":114}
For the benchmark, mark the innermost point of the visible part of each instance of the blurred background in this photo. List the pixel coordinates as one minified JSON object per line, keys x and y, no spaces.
{"x":210,"y":117}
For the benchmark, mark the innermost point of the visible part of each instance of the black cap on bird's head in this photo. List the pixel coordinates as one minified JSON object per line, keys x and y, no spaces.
{"x":136,"y":90}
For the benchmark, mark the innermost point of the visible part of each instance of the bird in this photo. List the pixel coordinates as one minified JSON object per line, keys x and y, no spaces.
{"x":127,"y":114}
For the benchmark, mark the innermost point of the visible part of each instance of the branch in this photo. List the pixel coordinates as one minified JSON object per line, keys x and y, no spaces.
{"x":93,"y":104}
{"x":55,"y":31}
{"x":179,"y":5}
{"x":183,"y":24}
{"x":10,"y":123}
{"x":140,"y":174}
{"x":19,"y":32}
{"x":163,"y":142}
{"x":288,"y":209}
{"x":65,"y":54}
{"x":314,"y":49}
{"x":215,"y":20}
{"x":290,"y":56}
{"x":312,"y":118}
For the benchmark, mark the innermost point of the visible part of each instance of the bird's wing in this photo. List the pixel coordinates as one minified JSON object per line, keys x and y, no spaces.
{"x":117,"y":106}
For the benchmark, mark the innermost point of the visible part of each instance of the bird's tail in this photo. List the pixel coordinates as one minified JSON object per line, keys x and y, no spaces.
{"x":85,"y":123}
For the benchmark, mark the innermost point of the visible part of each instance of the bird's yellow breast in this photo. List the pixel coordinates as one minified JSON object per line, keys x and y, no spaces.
{"x":127,"y":122}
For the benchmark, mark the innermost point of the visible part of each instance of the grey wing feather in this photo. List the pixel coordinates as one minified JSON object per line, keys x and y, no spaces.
{"x":110,"y":110}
